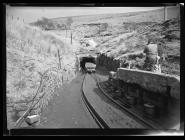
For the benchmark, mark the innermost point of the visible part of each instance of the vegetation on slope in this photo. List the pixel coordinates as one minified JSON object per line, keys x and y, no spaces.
{"x":129,"y":33}
{"x":118,"y":41}
{"x":30,"y":53}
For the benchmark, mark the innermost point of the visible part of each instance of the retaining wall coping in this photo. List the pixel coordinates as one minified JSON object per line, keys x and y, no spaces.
{"x":156,"y":82}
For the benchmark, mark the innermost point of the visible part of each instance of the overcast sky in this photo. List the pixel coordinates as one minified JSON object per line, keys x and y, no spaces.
{"x":30,"y":14}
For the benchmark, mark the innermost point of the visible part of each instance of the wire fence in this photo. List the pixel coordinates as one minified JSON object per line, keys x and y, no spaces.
{"x":50,"y":81}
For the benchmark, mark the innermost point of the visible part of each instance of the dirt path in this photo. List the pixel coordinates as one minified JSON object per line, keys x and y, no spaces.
{"x":67,"y":110}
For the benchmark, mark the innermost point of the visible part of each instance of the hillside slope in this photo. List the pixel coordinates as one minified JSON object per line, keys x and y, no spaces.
{"x":129,"y":33}
{"x":30,"y":53}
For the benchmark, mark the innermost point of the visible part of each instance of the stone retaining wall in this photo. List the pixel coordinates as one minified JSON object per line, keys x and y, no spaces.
{"x":162,"y":90}
{"x":159,"y":83}
{"x":151,"y":81}
{"x":147,"y":87}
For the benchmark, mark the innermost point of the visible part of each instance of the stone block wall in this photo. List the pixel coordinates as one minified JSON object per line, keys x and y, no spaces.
{"x":158,"y":83}
{"x":159,"y":89}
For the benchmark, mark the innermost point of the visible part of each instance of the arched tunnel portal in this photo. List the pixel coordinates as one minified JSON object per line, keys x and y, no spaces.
{"x":85,"y":59}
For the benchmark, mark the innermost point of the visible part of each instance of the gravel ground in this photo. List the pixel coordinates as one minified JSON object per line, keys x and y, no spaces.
{"x":67,"y":110}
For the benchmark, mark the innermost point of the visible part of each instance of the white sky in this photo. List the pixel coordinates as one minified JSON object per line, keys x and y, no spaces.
{"x":30,"y":14}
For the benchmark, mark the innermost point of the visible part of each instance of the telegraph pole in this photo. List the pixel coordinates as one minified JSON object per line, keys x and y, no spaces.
{"x":165,"y":13}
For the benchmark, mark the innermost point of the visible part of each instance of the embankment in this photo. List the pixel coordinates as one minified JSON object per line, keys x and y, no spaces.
{"x":30,"y":53}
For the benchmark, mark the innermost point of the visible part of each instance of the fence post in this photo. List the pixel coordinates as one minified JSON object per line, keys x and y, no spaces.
{"x":59,"y":59}
{"x":71,"y":37}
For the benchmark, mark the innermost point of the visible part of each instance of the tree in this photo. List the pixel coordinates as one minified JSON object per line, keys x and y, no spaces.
{"x":45,"y":23}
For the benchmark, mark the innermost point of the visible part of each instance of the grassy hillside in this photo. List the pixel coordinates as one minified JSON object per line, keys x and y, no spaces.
{"x":119,"y":18}
{"x":30,"y":53}
{"x":111,"y":19}
{"x":115,"y":19}
{"x":129,"y":32}
{"x":133,"y":41}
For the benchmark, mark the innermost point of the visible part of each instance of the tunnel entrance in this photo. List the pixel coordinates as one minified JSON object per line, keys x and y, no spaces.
{"x":84,"y":60}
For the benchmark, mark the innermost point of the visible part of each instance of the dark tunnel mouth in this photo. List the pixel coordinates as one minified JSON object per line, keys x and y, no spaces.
{"x":84,"y":60}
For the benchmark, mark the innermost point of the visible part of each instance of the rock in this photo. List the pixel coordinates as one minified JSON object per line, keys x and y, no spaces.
{"x":32,"y":119}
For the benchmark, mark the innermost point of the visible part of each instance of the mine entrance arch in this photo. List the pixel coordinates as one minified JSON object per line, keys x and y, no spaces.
{"x":85,"y":59}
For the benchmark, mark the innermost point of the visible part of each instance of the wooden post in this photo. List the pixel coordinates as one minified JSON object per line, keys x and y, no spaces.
{"x":99,"y":29}
{"x":165,"y":14}
{"x":66,"y":30}
{"x":129,"y":65}
{"x":71,"y":38}
{"x":59,"y":59}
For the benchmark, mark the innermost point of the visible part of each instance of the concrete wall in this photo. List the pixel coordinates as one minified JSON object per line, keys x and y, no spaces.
{"x":160,"y":89}
{"x":152,"y":81}
{"x":148,"y":80}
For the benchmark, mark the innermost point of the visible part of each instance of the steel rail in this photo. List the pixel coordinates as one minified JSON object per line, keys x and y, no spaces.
{"x":100,"y":122}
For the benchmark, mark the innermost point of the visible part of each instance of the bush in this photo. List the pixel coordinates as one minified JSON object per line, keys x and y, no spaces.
{"x":45,"y":24}
{"x":170,"y":68}
{"x":123,"y":51}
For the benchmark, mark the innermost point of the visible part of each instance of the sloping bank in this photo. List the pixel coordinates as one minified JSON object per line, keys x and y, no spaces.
{"x":30,"y":53}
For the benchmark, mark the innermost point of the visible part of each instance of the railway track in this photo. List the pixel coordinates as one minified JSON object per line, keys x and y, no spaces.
{"x":100,"y":122}
{"x":127,"y":108}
